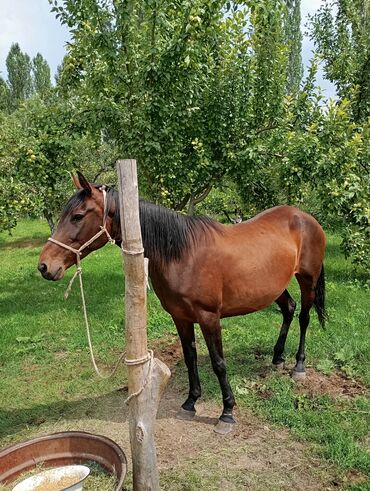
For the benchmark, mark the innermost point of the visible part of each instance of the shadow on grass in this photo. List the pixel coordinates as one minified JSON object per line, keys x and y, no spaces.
{"x":23,"y":243}
{"x":110,"y":407}
{"x":23,"y":293}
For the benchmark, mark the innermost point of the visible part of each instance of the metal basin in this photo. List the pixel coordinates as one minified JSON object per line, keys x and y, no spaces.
{"x":65,"y":448}
{"x":66,"y":478}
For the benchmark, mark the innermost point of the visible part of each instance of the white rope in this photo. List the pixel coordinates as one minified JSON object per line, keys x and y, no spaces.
{"x":69,"y":287}
{"x":78,"y":272}
{"x":139,"y":361}
{"x":132,"y":253}
{"x":101,"y":375}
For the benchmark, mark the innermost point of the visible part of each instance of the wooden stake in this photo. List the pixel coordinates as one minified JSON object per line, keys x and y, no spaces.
{"x":143,"y":407}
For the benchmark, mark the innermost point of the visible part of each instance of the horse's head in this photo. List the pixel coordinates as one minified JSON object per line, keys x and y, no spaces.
{"x":81,"y":219}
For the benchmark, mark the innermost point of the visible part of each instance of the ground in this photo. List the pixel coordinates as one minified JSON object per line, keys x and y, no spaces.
{"x":312,"y":435}
{"x":256,"y":456}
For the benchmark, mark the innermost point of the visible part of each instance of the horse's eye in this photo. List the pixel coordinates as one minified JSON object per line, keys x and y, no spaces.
{"x":77,"y":218}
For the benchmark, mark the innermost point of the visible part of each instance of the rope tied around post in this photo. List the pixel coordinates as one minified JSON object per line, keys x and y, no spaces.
{"x":133,"y":253}
{"x":140,"y":361}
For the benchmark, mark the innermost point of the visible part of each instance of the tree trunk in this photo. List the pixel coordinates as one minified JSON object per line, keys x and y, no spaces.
{"x":49,"y":218}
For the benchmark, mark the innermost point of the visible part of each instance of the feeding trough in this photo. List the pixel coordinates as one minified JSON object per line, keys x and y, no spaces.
{"x":63,"y":449}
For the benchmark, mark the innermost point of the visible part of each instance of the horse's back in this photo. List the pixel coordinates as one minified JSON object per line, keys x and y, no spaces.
{"x":241,"y":268}
{"x":253,"y":262}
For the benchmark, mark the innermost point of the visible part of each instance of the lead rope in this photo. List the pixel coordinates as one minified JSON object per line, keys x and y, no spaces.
{"x":139,"y":361}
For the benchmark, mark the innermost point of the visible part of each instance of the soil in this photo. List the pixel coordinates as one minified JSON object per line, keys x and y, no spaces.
{"x":267,"y":458}
{"x":334,"y":385}
{"x":254,"y":456}
{"x":258,"y":452}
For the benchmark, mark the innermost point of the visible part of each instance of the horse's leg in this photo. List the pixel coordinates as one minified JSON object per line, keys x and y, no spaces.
{"x":306,"y":284}
{"x":187,"y":337}
{"x":287,"y":307}
{"x":211,"y":329}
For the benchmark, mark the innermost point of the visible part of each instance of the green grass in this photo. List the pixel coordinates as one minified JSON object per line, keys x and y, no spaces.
{"x":45,"y":369}
{"x":45,"y":366}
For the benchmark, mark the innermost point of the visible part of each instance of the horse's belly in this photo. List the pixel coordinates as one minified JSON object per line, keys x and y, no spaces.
{"x":243,"y":302}
{"x":247,"y":290}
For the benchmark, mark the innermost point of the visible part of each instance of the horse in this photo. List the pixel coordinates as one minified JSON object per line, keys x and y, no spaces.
{"x":203,"y":271}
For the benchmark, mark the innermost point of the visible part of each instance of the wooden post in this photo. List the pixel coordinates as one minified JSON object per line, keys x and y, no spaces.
{"x":152,"y":375}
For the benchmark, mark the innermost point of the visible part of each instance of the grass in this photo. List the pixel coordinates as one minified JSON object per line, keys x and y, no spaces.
{"x":46,"y":374}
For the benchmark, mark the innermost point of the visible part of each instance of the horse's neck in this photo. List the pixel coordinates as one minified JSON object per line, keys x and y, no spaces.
{"x":155,"y":265}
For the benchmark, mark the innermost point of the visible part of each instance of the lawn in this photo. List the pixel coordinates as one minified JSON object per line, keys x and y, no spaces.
{"x":46,"y":374}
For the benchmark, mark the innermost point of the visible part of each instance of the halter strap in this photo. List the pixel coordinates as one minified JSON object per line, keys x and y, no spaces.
{"x":78,"y":272}
{"x":103,"y":230}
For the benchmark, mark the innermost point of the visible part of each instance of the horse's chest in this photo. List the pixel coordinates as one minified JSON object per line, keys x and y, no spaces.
{"x":185,"y":292}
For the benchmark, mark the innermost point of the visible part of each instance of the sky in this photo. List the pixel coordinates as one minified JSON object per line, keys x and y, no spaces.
{"x":34,"y":27}
{"x":31,"y":24}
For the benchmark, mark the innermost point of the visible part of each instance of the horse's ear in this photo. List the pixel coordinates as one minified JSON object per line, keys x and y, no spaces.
{"x":81,"y":182}
{"x":76,"y":181}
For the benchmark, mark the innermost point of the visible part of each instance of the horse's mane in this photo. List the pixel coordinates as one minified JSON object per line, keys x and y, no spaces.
{"x":166,"y":234}
{"x":74,"y":201}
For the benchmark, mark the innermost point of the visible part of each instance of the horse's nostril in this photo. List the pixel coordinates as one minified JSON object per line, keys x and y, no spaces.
{"x":42,"y":268}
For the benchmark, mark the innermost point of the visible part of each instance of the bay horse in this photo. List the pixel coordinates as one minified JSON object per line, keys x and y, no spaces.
{"x":202,"y":271}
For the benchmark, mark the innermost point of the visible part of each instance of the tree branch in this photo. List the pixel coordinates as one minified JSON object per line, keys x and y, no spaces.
{"x":203,"y":194}
{"x":181,"y":205}
{"x":267,"y":128}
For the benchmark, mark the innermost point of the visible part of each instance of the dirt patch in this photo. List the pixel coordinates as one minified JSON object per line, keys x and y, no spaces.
{"x":191,"y":456}
{"x":170,"y":354}
{"x":352,"y":477}
{"x":61,"y":355}
{"x":253,"y":457}
{"x":334,"y":385}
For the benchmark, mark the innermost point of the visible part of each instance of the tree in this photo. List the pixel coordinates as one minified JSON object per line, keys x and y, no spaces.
{"x":294,"y":42}
{"x":41,"y":75}
{"x":340,"y":30}
{"x":39,"y":144}
{"x":19,"y":75}
{"x":4,"y":95}
{"x":182,"y":86}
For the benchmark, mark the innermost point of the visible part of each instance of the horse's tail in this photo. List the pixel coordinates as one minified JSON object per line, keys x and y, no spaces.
{"x":319,"y":302}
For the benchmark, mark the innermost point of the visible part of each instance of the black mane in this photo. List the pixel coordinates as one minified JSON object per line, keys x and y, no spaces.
{"x":166,"y":234}
{"x":74,"y":202}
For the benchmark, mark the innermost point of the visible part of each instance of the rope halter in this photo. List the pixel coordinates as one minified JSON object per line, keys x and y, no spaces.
{"x":78,"y":252}
{"x":148,"y":358}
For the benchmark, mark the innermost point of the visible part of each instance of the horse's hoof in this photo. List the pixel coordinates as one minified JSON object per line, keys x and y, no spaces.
{"x":298,"y":375}
{"x":223,"y":428}
{"x":185,"y":415}
{"x":278,"y":367}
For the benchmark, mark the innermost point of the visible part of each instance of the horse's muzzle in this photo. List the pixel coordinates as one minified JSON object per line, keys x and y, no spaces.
{"x":50,"y":275}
